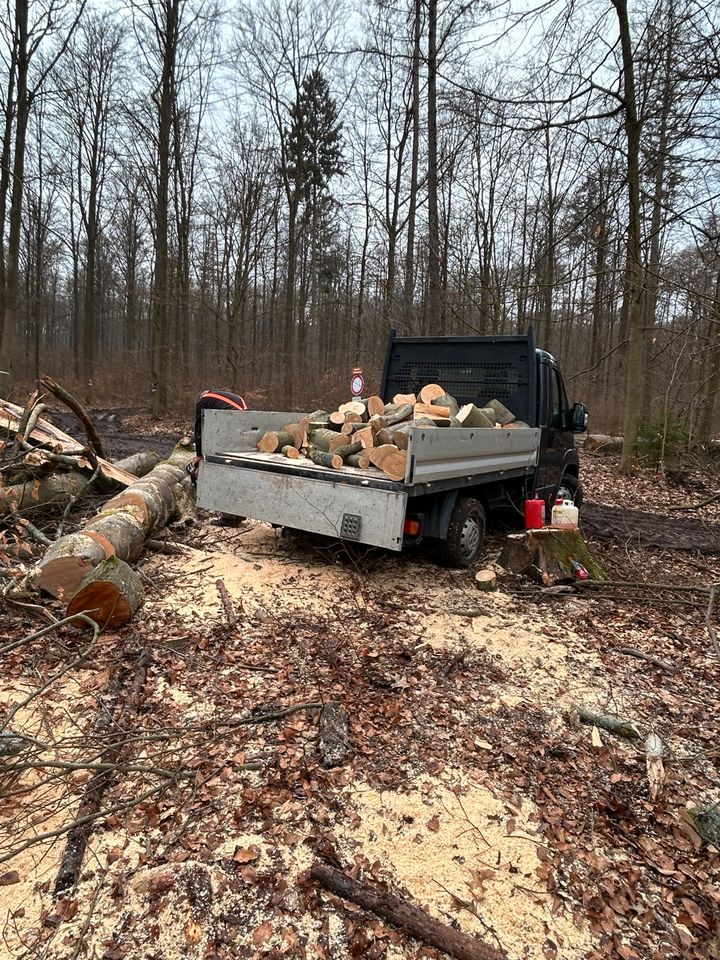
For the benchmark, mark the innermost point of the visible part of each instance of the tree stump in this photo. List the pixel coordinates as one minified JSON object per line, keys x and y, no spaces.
{"x":549,"y":552}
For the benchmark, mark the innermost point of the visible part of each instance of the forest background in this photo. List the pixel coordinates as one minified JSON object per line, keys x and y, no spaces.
{"x":254,"y":195}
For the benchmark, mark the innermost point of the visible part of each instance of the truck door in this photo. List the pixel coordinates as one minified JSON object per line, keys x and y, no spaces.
{"x":557,"y":436}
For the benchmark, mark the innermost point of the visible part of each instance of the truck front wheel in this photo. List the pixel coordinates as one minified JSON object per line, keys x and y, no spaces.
{"x":466,"y":534}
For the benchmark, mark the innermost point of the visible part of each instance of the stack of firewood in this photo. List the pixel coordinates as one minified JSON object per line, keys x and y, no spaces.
{"x":374,"y":434}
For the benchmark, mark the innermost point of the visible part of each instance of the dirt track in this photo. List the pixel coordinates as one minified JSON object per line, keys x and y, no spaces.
{"x":641,"y":529}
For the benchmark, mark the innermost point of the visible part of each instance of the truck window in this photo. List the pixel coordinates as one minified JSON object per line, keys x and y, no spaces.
{"x":559,"y":414}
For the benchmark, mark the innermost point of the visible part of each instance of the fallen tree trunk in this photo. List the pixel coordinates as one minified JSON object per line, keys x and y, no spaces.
{"x":405,"y":916}
{"x":53,"y":490}
{"x":119,"y":529}
{"x":58,"y":488}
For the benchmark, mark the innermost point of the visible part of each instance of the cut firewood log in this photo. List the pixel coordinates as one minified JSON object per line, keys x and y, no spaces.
{"x":426,"y":422}
{"x":366,"y":438}
{"x":317,"y":416}
{"x":298,"y":431}
{"x":447,"y":401}
{"x":354,"y":460}
{"x":373,"y":425}
{"x":403,"y":398}
{"x":354,"y":406}
{"x":472,"y":416}
{"x":399,"y":434}
{"x":397,"y":414}
{"x":347,"y":450}
{"x":429,"y":393}
{"x":273,"y":441}
{"x":404,"y":915}
{"x":502,"y":414}
{"x":337,"y":419}
{"x":375,"y":406}
{"x":323,"y":459}
{"x":322,"y":438}
{"x":597,"y":442}
{"x":379,"y":454}
{"x":110,"y":593}
{"x":120,"y":528}
{"x":291,"y":452}
{"x":430,"y":410}
{"x":395,"y":465}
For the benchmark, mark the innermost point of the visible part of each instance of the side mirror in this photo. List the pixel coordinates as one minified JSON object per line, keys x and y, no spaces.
{"x":579,"y":418}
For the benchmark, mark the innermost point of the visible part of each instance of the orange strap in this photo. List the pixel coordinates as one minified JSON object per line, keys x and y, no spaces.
{"x":231,"y":403}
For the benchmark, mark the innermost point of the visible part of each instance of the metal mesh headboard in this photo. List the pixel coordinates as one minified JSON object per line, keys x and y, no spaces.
{"x":472,"y":369}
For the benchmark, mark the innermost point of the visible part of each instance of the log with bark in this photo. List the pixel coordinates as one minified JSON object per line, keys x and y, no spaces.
{"x":118,"y":530}
{"x":46,"y":433}
{"x":404,"y":915}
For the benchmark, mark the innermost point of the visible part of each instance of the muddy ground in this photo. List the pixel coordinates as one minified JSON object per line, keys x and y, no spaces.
{"x":469,"y":788}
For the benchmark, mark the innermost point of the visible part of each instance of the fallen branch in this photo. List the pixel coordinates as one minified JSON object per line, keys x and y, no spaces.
{"x":696,"y":506}
{"x":404,"y":915}
{"x":226,"y":602}
{"x":621,"y":728}
{"x":632,"y":652}
{"x":69,"y":400}
{"x":99,"y":782}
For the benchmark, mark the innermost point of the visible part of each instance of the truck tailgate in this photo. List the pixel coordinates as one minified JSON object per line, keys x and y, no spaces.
{"x":347,"y":505}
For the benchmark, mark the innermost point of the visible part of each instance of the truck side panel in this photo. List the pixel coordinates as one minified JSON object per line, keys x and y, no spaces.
{"x":341,"y":510}
{"x":444,"y":454}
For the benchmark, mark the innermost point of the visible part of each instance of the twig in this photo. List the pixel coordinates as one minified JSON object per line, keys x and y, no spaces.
{"x":53,"y":626}
{"x":37,"y":535}
{"x":74,"y":500}
{"x":90,"y":818}
{"x":715,"y":587}
{"x":226,"y":602}
{"x":632,"y":652}
{"x":56,"y":676}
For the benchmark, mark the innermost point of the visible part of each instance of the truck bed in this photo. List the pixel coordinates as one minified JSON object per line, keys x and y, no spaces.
{"x":349,"y":503}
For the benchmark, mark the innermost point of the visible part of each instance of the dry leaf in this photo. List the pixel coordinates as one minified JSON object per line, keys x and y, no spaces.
{"x":12,"y":876}
{"x":193,"y":932}
{"x":596,"y":738}
{"x":433,"y":824}
{"x":262,"y":933}
{"x":245,"y":854}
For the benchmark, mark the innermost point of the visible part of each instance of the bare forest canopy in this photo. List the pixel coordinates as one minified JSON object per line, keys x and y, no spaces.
{"x":253,"y":197}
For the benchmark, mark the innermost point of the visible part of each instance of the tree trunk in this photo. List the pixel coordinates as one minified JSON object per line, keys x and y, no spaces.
{"x":434,"y":320}
{"x":633,"y":267}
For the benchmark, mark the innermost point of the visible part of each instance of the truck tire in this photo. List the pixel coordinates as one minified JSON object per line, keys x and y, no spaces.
{"x":466,"y":534}
{"x":570,"y":488}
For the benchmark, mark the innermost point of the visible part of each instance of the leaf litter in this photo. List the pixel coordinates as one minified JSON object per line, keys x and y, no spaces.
{"x":470,"y":787}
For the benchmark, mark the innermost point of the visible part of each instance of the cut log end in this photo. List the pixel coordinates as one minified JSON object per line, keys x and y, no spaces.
{"x":110,"y":594}
{"x":486,"y":580}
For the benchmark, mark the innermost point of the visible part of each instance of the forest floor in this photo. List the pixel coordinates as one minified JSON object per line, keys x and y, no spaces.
{"x":470,"y":788}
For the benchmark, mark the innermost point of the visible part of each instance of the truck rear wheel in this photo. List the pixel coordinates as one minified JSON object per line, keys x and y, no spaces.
{"x":466,"y":534}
